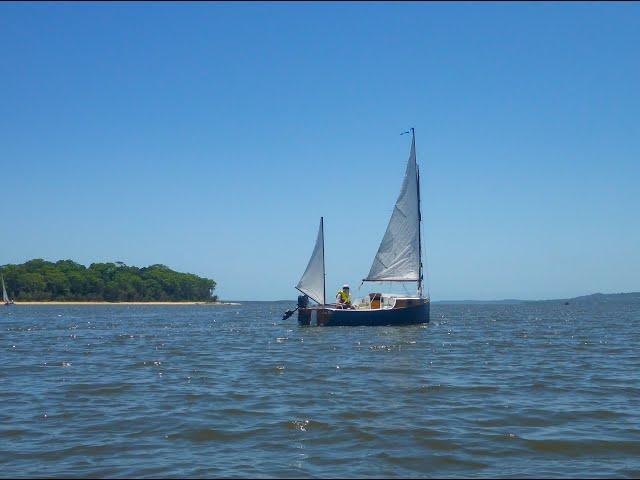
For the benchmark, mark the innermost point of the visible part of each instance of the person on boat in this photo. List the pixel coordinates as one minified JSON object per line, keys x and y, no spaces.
{"x":343,"y":298}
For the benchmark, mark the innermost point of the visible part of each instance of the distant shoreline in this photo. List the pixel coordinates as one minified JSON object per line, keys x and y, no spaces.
{"x":216,"y":304}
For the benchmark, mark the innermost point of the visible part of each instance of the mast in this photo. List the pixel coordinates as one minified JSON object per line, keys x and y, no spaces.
{"x":324,"y":271}
{"x":420,"y":277}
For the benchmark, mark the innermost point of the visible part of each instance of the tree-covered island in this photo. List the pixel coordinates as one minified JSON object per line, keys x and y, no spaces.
{"x":66,"y":280}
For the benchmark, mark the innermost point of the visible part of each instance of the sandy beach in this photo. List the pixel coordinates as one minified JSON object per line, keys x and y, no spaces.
{"x":127,"y":303}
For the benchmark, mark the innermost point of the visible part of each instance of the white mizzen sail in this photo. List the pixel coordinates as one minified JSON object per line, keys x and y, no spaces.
{"x":312,"y":281}
{"x":5,"y":297}
{"x":398,"y":257}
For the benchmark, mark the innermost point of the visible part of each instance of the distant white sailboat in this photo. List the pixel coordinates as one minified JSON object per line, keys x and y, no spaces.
{"x":5,"y":297}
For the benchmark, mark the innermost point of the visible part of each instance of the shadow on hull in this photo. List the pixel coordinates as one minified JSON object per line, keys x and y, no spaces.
{"x":331,"y":317}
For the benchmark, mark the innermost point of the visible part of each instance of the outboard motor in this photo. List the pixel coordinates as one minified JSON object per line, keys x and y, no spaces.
{"x":304,"y":314}
{"x":303,"y":301}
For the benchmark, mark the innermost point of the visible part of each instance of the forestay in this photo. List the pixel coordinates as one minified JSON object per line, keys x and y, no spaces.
{"x":312,"y":281}
{"x":398,"y":257}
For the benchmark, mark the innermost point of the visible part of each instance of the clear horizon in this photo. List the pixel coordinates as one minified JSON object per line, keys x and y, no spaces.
{"x":211,"y":138}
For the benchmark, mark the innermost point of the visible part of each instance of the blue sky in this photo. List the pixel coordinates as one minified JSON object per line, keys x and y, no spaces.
{"x":211,"y":137}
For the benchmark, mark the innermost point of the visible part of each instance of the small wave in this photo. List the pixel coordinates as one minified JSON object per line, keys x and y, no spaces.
{"x":358,"y":414}
{"x":577,"y":448}
{"x":436,"y":462}
{"x":454,"y":388}
{"x":147,"y":363}
{"x":99,"y":389}
{"x":199,"y":435}
{"x":305,"y":425}
{"x":124,"y":336}
{"x":13,"y":433}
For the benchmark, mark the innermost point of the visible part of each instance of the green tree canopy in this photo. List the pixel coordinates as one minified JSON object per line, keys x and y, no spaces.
{"x":67,"y":280}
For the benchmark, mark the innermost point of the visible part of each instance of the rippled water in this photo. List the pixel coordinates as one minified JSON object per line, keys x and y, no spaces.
{"x":539,"y":389}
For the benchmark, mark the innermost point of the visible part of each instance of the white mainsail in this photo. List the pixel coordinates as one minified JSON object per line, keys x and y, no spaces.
{"x":5,"y":297}
{"x":398,"y":257}
{"x":312,"y":281}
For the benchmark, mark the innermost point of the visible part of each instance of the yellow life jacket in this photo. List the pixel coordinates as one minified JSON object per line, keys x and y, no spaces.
{"x":344,"y":296}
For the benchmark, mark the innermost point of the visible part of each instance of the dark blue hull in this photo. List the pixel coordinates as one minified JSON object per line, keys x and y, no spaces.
{"x":331,"y":317}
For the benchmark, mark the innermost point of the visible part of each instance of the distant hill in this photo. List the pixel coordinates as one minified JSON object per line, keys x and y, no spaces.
{"x":593,"y":298}
{"x":607,"y":298}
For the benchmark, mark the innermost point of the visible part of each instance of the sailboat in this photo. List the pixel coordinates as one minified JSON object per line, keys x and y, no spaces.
{"x":399,"y":259}
{"x":5,"y":297}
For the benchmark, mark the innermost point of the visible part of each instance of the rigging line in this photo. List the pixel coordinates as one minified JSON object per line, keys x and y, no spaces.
{"x":424,"y":257}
